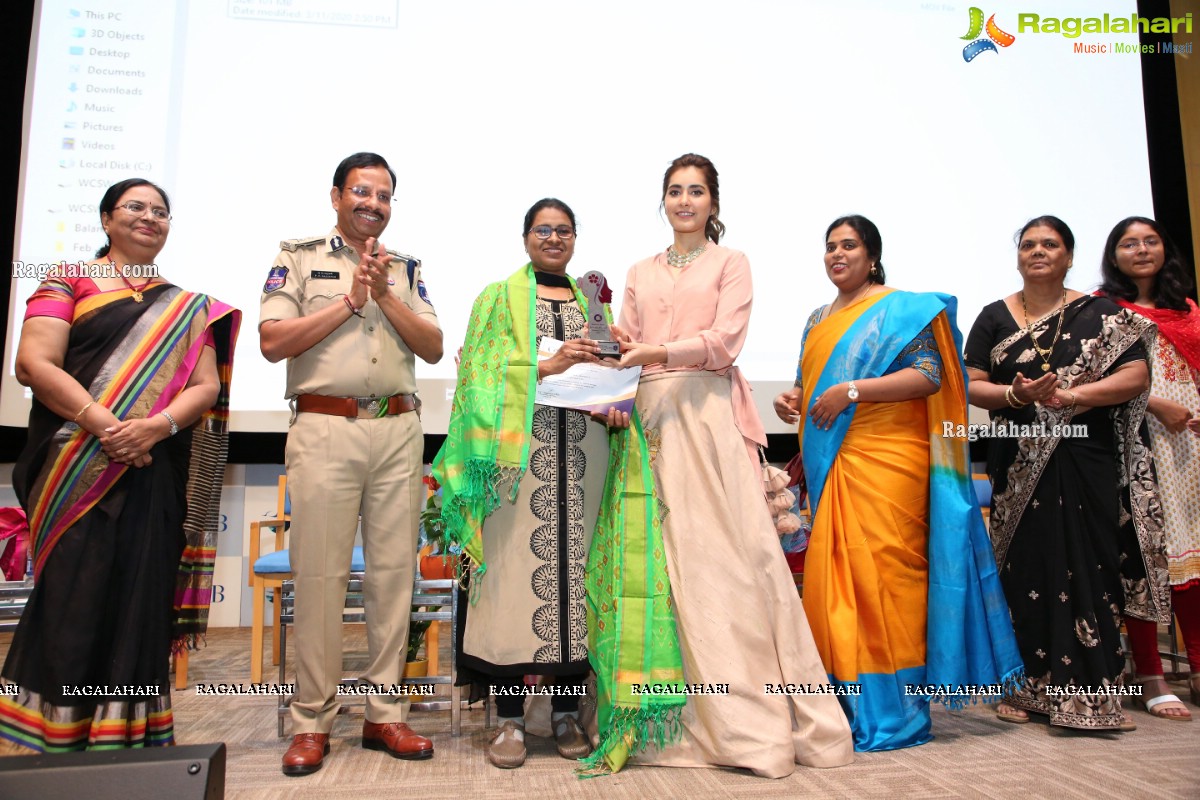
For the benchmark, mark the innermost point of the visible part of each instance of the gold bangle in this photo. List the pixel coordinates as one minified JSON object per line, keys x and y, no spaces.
{"x":90,"y":403}
{"x":1011,"y":397}
{"x":1068,"y":391}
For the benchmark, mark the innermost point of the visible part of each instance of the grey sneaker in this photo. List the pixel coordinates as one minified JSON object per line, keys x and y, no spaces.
{"x":507,"y":750}
{"x":571,"y":740}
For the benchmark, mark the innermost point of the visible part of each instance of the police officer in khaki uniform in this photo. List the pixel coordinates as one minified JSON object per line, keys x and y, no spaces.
{"x":349,"y":316}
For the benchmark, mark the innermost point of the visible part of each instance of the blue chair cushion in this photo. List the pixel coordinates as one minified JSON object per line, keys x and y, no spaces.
{"x":983,"y":491}
{"x":273,"y":563}
{"x":280,"y":562}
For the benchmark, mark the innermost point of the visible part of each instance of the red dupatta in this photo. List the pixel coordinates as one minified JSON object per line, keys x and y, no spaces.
{"x":1180,"y":328}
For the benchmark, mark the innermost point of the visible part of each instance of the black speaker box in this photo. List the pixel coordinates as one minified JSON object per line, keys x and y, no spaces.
{"x":188,"y":772}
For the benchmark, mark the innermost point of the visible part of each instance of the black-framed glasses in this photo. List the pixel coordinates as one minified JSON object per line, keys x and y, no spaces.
{"x":137,"y":208}
{"x":544,"y":231}
{"x":363,"y":192}
{"x":1129,"y":245}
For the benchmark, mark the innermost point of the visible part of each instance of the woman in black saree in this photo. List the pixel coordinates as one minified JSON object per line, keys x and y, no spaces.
{"x":120,"y":481}
{"x":1075,"y":519}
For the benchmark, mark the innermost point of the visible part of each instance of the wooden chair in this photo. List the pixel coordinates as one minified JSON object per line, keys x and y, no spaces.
{"x":180,"y":660}
{"x":268,"y":571}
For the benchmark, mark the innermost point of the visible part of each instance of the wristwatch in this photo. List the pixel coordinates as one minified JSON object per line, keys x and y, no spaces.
{"x":852,"y":392}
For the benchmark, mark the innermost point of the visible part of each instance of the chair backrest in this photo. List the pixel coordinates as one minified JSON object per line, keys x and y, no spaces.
{"x":277,"y":526}
{"x":283,"y":506}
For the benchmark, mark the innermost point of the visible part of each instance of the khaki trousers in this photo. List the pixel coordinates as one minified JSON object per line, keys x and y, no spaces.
{"x":337,"y":469}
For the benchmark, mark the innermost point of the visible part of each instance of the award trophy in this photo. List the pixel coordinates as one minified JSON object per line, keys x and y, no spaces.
{"x":595,"y":289}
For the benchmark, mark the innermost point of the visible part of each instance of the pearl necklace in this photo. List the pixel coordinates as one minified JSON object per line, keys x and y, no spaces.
{"x":677,"y":260}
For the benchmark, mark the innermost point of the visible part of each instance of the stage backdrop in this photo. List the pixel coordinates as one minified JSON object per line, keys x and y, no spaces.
{"x":949,"y":125}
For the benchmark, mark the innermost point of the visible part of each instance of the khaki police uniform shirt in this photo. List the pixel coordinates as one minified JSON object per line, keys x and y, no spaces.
{"x":363,"y":357}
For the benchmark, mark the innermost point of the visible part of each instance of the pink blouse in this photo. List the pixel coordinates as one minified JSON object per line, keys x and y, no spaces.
{"x":701,"y":315}
{"x":57,"y":297}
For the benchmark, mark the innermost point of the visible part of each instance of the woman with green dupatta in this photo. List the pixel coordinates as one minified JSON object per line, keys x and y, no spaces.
{"x":521,"y":487}
{"x":120,"y":481}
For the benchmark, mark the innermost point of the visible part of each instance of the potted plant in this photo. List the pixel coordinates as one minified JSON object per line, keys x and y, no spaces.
{"x":414,"y":666}
{"x":435,"y":563}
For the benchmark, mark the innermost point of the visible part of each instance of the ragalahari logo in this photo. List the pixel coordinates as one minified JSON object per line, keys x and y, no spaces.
{"x":995,"y":36}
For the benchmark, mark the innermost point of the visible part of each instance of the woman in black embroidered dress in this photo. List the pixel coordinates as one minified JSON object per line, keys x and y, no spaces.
{"x":1075,"y":518}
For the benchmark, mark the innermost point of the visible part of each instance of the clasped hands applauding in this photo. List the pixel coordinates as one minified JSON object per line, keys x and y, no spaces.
{"x":371,"y":275}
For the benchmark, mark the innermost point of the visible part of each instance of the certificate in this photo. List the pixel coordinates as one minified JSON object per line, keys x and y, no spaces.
{"x":587,"y":386}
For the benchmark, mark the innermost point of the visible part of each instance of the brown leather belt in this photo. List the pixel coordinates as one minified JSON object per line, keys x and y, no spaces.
{"x":363,"y":407}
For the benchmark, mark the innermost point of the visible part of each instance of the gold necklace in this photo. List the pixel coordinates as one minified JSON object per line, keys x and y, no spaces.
{"x":1047,"y":352}
{"x":862,"y":295}
{"x":135,"y":290}
{"x":675,"y":259}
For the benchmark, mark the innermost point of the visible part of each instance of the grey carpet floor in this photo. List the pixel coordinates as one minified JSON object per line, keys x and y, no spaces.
{"x":974,"y":755}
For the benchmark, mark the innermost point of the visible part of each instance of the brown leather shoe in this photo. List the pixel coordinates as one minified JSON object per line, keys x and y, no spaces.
{"x":571,"y":740}
{"x":397,"y":739}
{"x":306,"y":753}
{"x":507,"y":750}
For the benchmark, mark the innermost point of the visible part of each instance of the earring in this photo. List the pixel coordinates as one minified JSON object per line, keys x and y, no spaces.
{"x":874,"y":270}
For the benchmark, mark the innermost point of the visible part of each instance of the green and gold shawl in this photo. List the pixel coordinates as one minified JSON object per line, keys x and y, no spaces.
{"x":487,"y":441}
{"x":632,"y":642}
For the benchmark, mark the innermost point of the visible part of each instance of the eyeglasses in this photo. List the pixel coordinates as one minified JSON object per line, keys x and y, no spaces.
{"x":544,"y":231}
{"x":362,"y":193}
{"x":136,"y":208}
{"x":1130,"y":245}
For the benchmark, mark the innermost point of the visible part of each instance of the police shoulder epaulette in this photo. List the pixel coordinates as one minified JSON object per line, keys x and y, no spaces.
{"x":291,"y":245}
{"x":410,"y":266}
{"x":407,"y":259}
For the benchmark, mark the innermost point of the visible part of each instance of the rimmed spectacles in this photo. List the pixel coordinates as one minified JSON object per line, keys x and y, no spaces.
{"x":363,"y":192}
{"x":137,"y":208}
{"x":1129,"y":245}
{"x":544,"y":231}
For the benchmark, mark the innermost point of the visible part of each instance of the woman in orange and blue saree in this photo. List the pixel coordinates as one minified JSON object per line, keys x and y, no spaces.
{"x":900,"y":583}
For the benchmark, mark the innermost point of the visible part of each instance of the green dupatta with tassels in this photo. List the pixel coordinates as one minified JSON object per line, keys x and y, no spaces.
{"x":631,"y":626}
{"x":632,"y":642}
{"x":491,"y":420}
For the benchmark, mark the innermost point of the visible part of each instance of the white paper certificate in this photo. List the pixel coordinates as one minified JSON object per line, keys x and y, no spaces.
{"x":587,"y":386}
